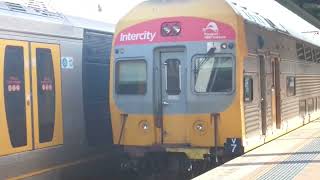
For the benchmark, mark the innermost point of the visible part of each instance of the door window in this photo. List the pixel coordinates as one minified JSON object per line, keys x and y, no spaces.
{"x":248,"y":89}
{"x":173,"y":76}
{"x":14,"y":95}
{"x":46,"y":94}
{"x":46,"y":86}
{"x":291,"y":86}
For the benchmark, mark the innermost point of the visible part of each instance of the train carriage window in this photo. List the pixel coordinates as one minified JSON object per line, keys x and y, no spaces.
{"x":308,"y":53}
{"x":314,"y":55}
{"x":315,"y":104}
{"x":310,"y":105}
{"x":300,"y":51}
{"x":46,"y":94}
{"x":14,"y":95}
{"x":131,"y":77}
{"x":302,"y":108}
{"x":173,"y":77}
{"x":291,"y":86}
{"x":213,"y":74}
{"x":318,"y":56}
{"x":248,"y":89}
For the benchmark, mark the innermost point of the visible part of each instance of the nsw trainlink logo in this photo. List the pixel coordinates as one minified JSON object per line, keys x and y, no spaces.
{"x":145,"y":36}
{"x":211,"y":31}
{"x":212,"y":27}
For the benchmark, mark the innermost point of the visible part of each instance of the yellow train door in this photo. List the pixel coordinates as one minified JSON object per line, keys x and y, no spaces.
{"x":15,"y":106}
{"x":46,"y":93}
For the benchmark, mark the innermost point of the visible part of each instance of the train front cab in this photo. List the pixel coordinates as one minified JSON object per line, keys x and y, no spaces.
{"x":30,"y":96}
{"x":178,"y":90}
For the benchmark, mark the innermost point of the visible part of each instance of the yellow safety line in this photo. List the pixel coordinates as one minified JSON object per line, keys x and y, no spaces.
{"x":38,"y":172}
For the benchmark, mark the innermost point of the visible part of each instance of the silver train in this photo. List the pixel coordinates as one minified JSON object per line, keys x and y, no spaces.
{"x":53,"y":101}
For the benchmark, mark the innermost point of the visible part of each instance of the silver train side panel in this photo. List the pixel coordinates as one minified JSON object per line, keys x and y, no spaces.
{"x":282,"y":46}
{"x":16,"y":26}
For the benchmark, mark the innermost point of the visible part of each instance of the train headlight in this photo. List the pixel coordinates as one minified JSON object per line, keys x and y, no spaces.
{"x":171,"y":29}
{"x":144,"y":125}
{"x":200,"y":127}
{"x":166,"y":30}
{"x":176,"y":29}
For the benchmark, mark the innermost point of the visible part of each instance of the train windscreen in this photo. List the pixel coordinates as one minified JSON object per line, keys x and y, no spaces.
{"x":213,"y":74}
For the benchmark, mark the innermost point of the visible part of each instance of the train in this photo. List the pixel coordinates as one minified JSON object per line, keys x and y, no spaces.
{"x":210,"y":79}
{"x":55,"y":119}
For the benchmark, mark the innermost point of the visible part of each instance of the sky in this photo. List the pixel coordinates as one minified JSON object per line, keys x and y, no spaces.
{"x":112,"y":10}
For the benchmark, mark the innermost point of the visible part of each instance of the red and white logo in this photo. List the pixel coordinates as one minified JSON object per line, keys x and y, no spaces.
{"x":212,"y":27}
{"x":211,"y":31}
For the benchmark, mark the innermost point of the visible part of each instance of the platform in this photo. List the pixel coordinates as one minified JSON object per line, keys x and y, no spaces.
{"x":293,"y":156}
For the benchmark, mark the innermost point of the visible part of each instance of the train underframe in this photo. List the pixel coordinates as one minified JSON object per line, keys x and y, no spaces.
{"x":180,"y":162}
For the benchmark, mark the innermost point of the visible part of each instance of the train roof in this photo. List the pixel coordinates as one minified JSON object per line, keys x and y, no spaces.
{"x":268,"y":14}
{"x":272,"y":15}
{"x":38,"y":19}
{"x":91,"y":24}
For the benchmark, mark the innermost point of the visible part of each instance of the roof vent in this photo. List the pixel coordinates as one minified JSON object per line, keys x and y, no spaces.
{"x":41,"y":8}
{"x":15,"y":7}
{"x":38,"y":6}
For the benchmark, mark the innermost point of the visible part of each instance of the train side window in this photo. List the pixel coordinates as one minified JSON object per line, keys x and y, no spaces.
{"x":315,"y":104}
{"x":248,"y":89}
{"x":318,"y":56}
{"x":291,"y":86}
{"x":314,"y":55}
{"x":302,"y":108}
{"x":173,"y":77}
{"x":300,"y":51}
{"x":308,"y":53}
{"x":131,"y":77}
{"x":310,"y":105}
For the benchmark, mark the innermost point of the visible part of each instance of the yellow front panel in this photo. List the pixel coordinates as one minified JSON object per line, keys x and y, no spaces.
{"x":57,"y":137}
{"x":6,"y":146}
{"x":131,"y":131}
{"x":182,"y":129}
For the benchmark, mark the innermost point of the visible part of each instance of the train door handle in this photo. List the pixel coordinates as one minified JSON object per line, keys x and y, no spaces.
{"x":28,"y":99}
{"x":165,"y":103}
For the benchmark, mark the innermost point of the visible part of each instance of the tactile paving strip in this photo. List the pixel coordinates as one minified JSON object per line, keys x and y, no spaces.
{"x":294,"y":164}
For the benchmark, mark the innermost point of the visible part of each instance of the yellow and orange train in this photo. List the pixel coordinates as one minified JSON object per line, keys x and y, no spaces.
{"x":209,"y":77}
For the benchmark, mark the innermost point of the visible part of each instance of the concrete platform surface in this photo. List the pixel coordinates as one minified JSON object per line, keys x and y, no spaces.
{"x":295,"y":155}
